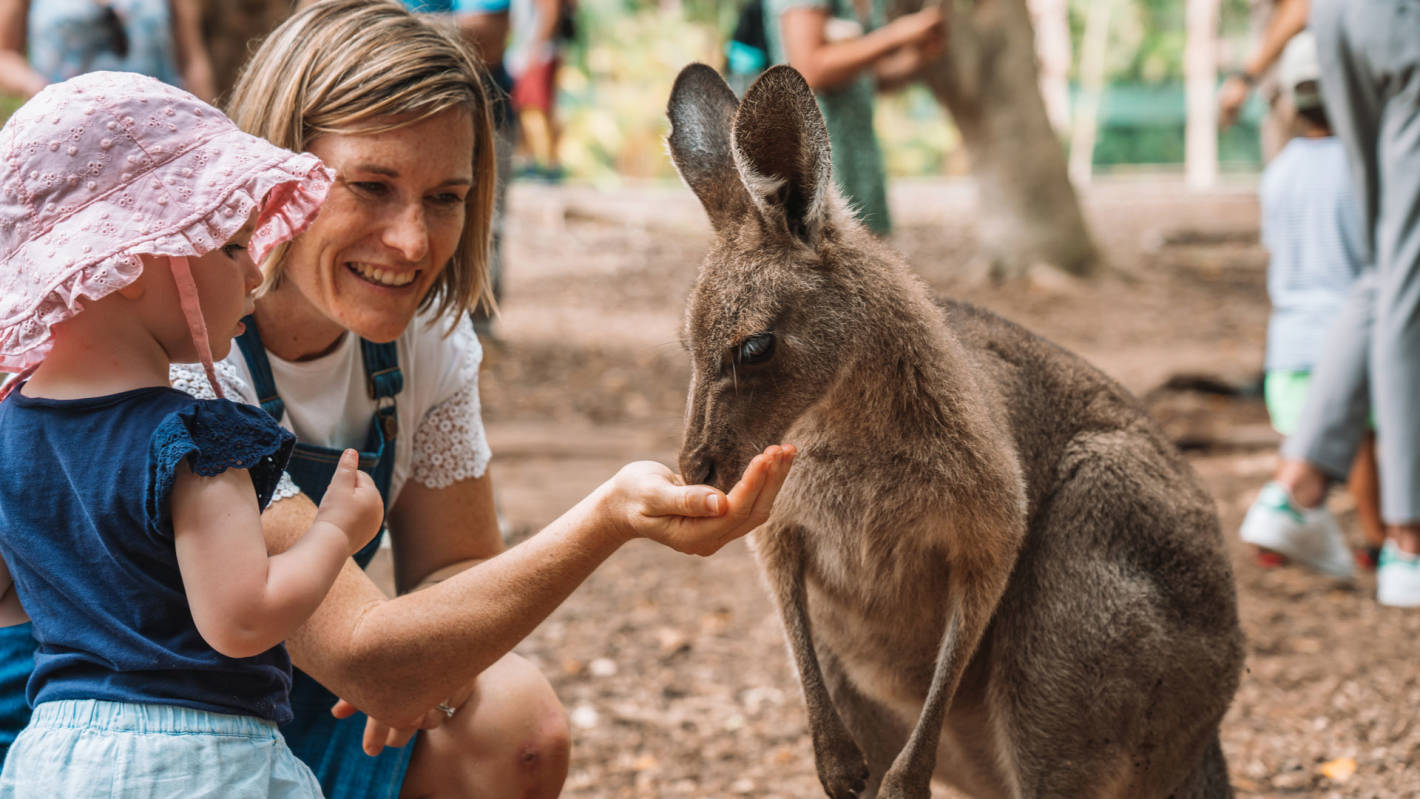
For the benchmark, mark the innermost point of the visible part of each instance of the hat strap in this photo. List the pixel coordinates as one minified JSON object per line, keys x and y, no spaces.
{"x":192,"y":309}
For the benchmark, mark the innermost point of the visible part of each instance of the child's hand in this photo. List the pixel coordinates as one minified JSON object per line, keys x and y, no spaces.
{"x":352,"y":503}
{"x":648,"y":500}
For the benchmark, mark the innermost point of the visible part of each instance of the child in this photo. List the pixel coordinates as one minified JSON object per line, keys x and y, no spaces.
{"x":129,"y":511}
{"x":1311,"y":228}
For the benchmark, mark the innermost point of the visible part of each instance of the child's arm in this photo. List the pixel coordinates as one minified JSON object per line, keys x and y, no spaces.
{"x":243,"y":601}
{"x":10,"y":611}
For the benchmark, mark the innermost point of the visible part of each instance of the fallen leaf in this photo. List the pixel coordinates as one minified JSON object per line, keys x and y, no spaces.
{"x":1340,"y":769}
{"x":646,"y":762}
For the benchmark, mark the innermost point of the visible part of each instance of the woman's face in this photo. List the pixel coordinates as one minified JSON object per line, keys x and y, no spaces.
{"x":387,"y":230}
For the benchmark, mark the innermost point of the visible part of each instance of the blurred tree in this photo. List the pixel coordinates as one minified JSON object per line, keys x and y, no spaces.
{"x":1051,"y":19}
{"x":988,"y":80}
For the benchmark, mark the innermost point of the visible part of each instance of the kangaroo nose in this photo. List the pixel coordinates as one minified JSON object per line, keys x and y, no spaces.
{"x":696,"y":468}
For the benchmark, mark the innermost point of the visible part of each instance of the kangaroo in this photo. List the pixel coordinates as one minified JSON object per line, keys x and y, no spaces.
{"x":991,"y":567}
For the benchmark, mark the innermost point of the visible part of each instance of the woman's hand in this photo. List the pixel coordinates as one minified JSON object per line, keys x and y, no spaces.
{"x":352,"y":502}
{"x":379,"y":734}
{"x":647,"y":500}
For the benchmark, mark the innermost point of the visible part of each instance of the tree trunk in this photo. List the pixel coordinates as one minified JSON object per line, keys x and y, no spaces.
{"x":1092,"y":78}
{"x":232,"y":28}
{"x":1200,"y":155}
{"x":1028,"y":212}
{"x":1051,"y":19}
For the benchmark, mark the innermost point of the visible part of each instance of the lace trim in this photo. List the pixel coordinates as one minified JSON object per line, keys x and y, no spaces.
{"x":450,"y":444}
{"x":191,"y":380}
{"x":285,"y":489}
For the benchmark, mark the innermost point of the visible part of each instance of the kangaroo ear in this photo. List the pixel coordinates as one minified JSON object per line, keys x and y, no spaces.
{"x":781,"y":148}
{"x":701,"y":110}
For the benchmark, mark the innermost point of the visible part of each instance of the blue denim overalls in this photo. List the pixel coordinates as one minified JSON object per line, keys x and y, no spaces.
{"x":330,"y":746}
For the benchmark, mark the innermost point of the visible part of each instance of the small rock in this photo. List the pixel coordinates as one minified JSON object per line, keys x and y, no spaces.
{"x":584,"y":717}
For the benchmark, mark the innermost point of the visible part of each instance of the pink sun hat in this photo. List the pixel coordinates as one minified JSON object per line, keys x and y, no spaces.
{"x":105,"y":167}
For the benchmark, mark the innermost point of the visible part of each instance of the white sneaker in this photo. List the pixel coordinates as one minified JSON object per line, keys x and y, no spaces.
{"x":1309,"y":536}
{"x":1398,"y":577}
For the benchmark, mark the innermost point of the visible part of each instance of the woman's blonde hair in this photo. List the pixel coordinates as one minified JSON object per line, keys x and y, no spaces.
{"x":369,"y":66}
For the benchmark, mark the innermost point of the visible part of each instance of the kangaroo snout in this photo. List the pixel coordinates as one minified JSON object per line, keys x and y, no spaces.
{"x":697,"y":467}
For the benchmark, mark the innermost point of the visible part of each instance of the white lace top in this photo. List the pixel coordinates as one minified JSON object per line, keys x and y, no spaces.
{"x":441,"y":439}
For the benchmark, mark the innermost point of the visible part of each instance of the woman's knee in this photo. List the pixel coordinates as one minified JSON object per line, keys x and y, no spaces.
{"x":539,"y":725}
{"x":510,"y":739}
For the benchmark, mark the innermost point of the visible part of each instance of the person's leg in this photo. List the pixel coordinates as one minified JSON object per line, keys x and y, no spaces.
{"x":1364,"y":485}
{"x":1336,"y":415}
{"x":510,"y":739}
{"x":554,"y":131}
{"x":1288,"y":516}
{"x":1377,"y":54}
{"x":1395,"y":347}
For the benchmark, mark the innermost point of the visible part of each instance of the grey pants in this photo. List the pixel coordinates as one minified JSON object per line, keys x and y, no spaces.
{"x":1370,"y":58}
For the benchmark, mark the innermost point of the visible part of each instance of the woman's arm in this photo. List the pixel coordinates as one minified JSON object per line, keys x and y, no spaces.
{"x":193,"y":62}
{"x":1289,"y":17}
{"x":832,"y":64}
{"x":16,"y":74}
{"x":438,"y":532}
{"x":397,"y":658}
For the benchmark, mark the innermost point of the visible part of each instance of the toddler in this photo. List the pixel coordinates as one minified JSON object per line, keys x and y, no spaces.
{"x":129,"y":511}
{"x":1311,"y":227}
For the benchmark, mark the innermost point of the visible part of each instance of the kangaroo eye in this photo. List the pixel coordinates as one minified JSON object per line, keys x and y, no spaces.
{"x":755,"y":349}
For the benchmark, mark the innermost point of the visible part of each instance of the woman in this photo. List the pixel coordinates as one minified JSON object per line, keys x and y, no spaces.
{"x":846,"y":53}
{"x":358,"y":341}
{"x":43,"y":43}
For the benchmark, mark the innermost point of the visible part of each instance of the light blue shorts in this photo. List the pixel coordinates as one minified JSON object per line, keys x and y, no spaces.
{"x":94,"y":749}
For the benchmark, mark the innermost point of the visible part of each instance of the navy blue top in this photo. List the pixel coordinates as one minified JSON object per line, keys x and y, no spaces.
{"x":86,"y":532}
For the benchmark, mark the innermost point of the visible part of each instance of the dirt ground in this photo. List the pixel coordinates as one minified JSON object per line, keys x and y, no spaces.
{"x":673,"y":668}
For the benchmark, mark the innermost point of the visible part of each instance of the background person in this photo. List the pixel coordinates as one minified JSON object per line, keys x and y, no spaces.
{"x":1311,"y":227}
{"x":846,"y":52}
{"x":540,"y":28}
{"x":54,"y":40}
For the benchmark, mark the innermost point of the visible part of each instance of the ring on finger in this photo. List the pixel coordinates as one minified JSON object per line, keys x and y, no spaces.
{"x":444,"y":708}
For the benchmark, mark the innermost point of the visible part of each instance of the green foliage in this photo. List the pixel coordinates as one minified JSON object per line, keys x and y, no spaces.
{"x":618,"y":74}
{"x":615,"y":84}
{"x":1147,"y":37}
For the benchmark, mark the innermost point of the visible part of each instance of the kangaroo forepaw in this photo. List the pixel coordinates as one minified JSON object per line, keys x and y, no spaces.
{"x":898,"y":784}
{"x":841,"y":769}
